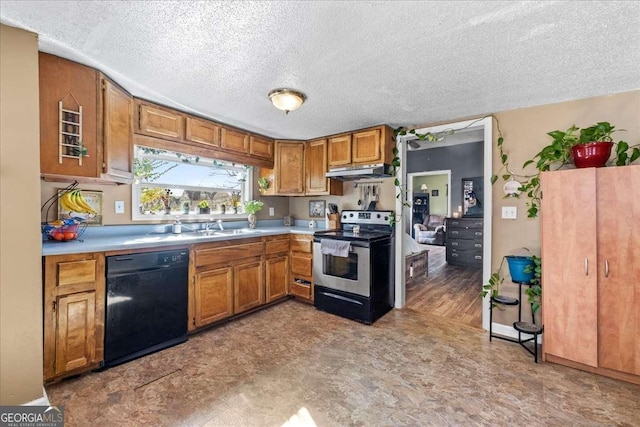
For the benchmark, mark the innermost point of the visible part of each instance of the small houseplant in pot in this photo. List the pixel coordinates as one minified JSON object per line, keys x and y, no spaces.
{"x":572,"y":145}
{"x":203,"y":207}
{"x":521,"y":270}
{"x":252,"y":207}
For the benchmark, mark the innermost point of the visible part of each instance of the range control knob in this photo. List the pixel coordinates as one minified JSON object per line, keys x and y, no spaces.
{"x":386,"y":218}
{"x":379,"y":215}
{"x":350,"y":215}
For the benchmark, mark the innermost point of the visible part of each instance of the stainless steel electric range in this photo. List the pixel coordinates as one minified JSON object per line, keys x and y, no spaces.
{"x":353,"y":268}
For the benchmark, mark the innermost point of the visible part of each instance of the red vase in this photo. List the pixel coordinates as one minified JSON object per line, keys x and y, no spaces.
{"x":591,"y":155}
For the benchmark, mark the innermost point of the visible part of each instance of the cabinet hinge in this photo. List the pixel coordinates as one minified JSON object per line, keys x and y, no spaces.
{"x":104,"y":85}
{"x":54,"y":306}
{"x":194,"y":321}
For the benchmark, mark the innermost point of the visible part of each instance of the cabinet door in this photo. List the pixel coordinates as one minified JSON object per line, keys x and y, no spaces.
{"x":213,"y":296}
{"x":277,"y":277}
{"x":366,"y":147}
{"x":202,"y":132}
{"x":77,"y":86}
{"x":160,"y":123}
{"x":233,"y":140}
{"x":570,"y":270}
{"x":339,"y":150}
{"x":289,"y":168}
{"x":75,"y":334}
{"x":261,"y":147}
{"x":248,"y":286}
{"x":618,"y":200}
{"x":315,"y":161}
{"x":117,"y":125}
{"x":270,"y":175}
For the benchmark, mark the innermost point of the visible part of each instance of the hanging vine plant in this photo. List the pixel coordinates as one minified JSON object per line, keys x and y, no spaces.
{"x":402,"y":190}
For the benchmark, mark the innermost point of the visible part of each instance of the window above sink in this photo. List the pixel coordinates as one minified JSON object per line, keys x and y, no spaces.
{"x":170,"y":184}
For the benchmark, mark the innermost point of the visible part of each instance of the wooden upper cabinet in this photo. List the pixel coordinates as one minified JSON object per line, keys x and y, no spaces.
{"x":77,"y":87}
{"x":234,"y":140}
{"x":159,"y":122}
{"x":316,"y":167}
{"x":339,"y":150}
{"x":366,"y":147}
{"x":289,"y":168}
{"x":261,"y":147}
{"x":315,"y":162}
{"x":117,"y":131}
{"x":202,"y":132}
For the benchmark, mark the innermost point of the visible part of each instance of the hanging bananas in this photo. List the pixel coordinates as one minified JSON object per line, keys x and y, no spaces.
{"x":74,"y":201}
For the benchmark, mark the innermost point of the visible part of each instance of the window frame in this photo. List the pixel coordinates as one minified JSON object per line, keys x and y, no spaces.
{"x":247,"y":193}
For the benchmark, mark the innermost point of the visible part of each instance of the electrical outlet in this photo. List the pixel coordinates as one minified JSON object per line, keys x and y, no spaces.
{"x":509,"y":212}
{"x":119,"y":206}
{"x":272,"y":211}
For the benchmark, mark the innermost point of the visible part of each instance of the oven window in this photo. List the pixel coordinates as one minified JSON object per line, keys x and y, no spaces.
{"x":337,"y":266}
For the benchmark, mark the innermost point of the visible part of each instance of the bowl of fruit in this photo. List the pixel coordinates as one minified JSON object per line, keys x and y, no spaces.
{"x":62,"y":230}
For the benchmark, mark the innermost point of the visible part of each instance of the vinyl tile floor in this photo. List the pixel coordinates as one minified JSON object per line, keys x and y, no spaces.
{"x":408,"y":369}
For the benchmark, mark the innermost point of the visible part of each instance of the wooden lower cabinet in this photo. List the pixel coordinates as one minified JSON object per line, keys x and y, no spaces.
{"x":276,"y":278}
{"x":74,"y":295}
{"x":248,"y":286}
{"x":301,"y":284}
{"x":227,"y":279}
{"x":213,"y":296}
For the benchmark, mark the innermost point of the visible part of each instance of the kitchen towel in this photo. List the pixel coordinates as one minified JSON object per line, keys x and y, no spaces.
{"x":335,"y":247}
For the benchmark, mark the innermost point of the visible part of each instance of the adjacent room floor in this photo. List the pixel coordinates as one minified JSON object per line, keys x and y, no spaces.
{"x":449,"y":291}
{"x":408,"y":369}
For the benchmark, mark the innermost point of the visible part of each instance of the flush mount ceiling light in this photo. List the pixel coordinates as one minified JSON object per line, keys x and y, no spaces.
{"x":287,"y":99}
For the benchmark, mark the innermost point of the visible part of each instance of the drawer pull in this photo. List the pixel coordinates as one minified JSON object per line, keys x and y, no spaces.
{"x":454,"y":232}
{"x":478,"y":257}
{"x":454,"y":254}
{"x":478,"y":245}
{"x":478,"y":233}
{"x":454,"y":243}
{"x":606,"y":268}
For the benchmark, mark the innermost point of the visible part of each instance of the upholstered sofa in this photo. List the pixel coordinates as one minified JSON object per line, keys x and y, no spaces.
{"x":431,"y":231}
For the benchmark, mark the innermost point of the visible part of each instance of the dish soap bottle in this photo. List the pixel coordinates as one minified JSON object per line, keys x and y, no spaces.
{"x":177,"y":226}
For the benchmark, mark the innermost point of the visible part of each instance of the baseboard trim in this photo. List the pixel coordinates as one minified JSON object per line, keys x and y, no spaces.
{"x":41,"y":401}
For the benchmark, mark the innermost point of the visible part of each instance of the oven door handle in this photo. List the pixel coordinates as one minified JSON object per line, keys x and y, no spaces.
{"x":340,"y":297}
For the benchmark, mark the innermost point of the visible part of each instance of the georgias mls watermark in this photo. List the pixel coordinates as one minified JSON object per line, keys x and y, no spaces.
{"x":31,"y":416}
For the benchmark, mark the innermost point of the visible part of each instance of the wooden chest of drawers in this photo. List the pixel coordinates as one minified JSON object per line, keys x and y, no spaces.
{"x":464,"y":241}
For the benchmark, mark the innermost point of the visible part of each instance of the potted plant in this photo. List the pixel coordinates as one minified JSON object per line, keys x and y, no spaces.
{"x":263,"y":184}
{"x":587,"y":147}
{"x":203,"y":207}
{"x":521,"y":269}
{"x":534,"y":292}
{"x":252,"y":207}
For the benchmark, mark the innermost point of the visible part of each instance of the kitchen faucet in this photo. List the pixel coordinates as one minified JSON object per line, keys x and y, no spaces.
{"x":220,"y":225}
{"x":209,"y":225}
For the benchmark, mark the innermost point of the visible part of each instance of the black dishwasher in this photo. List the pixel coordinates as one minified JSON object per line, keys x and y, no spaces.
{"x":146,"y":310}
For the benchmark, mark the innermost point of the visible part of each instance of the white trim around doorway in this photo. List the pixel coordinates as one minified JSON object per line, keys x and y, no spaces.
{"x":486,"y":124}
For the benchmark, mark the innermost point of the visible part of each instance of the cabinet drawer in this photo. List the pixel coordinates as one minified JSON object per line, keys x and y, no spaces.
{"x":301,"y":264}
{"x":75,"y":272}
{"x":233,"y":140}
{"x":276,"y":246}
{"x":300,"y":290}
{"x":302,"y":245}
{"x":461,"y":233}
{"x":466,"y":244}
{"x":465,"y":256}
{"x":227,"y":254}
{"x":464,"y":223}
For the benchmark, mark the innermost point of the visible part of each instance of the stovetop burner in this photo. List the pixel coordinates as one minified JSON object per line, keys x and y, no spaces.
{"x":373,"y":226}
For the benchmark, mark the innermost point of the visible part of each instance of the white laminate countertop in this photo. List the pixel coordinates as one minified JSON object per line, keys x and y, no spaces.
{"x":137,"y":240}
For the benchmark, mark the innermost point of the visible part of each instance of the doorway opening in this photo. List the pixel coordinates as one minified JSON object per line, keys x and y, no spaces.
{"x":449,"y":290}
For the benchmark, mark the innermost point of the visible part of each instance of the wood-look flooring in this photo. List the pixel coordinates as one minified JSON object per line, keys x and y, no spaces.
{"x":449,"y":291}
{"x":407,"y":369}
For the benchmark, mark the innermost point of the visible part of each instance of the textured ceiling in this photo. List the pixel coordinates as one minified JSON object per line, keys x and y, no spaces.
{"x":359,"y":63}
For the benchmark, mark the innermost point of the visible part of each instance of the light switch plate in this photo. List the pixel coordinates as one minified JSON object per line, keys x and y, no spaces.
{"x":272,"y":211}
{"x":509,"y":212}
{"x":119,"y":206}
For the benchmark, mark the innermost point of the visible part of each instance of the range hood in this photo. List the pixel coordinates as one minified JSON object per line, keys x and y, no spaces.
{"x":351,"y":173}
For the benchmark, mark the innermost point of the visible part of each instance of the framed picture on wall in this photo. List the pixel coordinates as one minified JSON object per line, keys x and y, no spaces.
{"x":434,"y":193}
{"x":93,"y":198}
{"x":316,"y":208}
{"x":472,"y":197}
